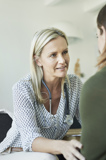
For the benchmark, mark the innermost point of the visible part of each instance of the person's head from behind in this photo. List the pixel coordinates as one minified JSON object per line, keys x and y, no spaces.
{"x":49,"y":58}
{"x":101,"y":33}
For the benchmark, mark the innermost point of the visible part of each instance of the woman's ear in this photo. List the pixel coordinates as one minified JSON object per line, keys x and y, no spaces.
{"x":37,"y":60}
{"x":103,"y":33}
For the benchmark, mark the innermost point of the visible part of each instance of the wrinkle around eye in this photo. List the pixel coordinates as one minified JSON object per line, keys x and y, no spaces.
{"x":53,"y":55}
{"x":65,"y":53}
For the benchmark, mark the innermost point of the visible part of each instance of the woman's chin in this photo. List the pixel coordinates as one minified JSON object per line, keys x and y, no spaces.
{"x":62,"y":75}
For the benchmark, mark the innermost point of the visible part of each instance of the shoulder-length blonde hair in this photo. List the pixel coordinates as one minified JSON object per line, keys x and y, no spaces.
{"x":40,"y":39}
{"x":101,"y":21}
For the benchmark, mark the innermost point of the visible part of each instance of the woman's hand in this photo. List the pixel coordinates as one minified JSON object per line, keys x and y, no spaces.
{"x":70,"y":150}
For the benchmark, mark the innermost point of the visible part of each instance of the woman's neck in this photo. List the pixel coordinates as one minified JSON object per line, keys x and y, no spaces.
{"x":53,"y":84}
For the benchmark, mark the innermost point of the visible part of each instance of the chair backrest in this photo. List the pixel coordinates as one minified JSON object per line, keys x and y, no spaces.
{"x":75,"y":124}
{"x":5,"y":125}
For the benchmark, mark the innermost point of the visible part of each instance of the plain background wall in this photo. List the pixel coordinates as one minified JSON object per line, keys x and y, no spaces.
{"x":20,"y":19}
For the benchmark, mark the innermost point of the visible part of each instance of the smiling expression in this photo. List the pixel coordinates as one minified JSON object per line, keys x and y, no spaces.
{"x":54,"y":58}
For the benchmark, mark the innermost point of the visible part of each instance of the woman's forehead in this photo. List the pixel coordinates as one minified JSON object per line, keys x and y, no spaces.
{"x":55,"y":44}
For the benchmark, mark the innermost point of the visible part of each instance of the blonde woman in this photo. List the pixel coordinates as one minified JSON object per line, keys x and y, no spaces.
{"x":93,"y":101}
{"x":40,"y":101}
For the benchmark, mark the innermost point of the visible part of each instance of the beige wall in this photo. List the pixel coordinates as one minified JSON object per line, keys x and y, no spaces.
{"x":19,"y":19}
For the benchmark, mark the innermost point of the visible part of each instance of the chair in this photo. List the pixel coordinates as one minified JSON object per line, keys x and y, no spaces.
{"x":74,"y":132}
{"x":5,"y":124}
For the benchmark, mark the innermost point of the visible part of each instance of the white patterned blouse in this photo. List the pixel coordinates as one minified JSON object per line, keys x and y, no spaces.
{"x":32,"y":120}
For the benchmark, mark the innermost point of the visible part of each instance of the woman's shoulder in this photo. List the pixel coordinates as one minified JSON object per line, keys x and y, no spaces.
{"x":24,"y":82}
{"x":24,"y":87}
{"x":74,"y":80}
{"x":94,"y":84}
{"x":95,"y":80}
{"x":73,"y":77}
{"x":74,"y":83}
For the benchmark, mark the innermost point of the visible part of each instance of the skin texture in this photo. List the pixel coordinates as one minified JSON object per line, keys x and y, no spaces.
{"x":101,"y":39}
{"x":54,"y":61}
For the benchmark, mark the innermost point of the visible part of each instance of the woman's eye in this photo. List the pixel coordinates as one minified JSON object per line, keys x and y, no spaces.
{"x":53,"y":55}
{"x":65,"y":52}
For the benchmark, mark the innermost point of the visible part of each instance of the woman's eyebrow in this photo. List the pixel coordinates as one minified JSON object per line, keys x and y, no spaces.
{"x":52,"y":52}
{"x":65,"y":49}
{"x":56,"y":51}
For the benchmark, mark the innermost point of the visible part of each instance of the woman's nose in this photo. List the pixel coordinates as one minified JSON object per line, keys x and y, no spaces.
{"x":61,"y":59}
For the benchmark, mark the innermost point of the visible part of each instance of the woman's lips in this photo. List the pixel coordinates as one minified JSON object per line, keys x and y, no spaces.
{"x":61,"y":68}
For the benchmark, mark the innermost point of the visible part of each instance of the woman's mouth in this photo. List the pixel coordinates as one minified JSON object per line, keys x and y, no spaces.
{"x":61,"y":68}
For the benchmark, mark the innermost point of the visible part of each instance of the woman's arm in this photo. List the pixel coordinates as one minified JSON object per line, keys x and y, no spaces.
{"x":31,"y":137}
{"x":24,"y":114}
{"x":67,"y":148}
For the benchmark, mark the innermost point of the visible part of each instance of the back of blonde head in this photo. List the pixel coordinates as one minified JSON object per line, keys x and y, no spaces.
{"x":40,"y":39}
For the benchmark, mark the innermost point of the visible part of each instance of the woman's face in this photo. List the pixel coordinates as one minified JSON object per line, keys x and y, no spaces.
{"x":101,"y":39}
{"x":54,"y":58}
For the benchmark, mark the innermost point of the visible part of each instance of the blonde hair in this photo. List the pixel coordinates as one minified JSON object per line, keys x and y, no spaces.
{"x":40,"y":39}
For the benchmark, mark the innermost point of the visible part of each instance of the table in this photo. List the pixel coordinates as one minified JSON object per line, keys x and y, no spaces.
{"x":73,"y":134}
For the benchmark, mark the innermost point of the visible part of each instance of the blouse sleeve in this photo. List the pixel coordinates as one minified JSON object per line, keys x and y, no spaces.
{"x":76,"y":86}
{"x":25,"y":116}
{"x":79,"y":87}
